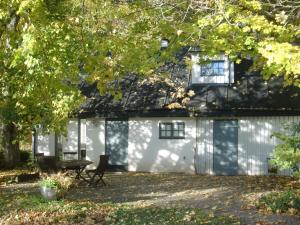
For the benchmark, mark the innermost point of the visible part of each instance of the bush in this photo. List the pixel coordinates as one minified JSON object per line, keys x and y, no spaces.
{"x":25,"y":156}
{"x":286,"y":154}
{"x":281,"y":202}
{"x":50,"y":183}
{"x":26,"y":160}
{"x":59,"y":181}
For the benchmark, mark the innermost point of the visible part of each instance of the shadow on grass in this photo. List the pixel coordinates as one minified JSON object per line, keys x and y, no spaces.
{"x":23,"y":208}
{"x":158,"y":215}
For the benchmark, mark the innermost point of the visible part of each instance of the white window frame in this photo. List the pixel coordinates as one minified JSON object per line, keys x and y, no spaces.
{"x":197,"y":78}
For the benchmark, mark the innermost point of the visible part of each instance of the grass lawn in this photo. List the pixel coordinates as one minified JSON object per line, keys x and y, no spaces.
{"x":21,"y":208}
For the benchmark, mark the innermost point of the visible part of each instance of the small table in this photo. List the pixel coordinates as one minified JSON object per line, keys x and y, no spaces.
{"x":77,"y":165}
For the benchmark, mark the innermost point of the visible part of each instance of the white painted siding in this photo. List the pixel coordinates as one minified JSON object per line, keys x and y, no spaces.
{"x":95,"y":140}
{"x":146,"y":152}
{"x":205,"y":145}
{"x":46,"y":144}
{"x":70,"y":143}
{"x":254,"y":143}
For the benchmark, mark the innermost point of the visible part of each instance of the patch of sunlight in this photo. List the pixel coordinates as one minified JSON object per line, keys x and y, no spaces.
{"x":204,"y":193}
{"x":138,"y":155}
{"x":164,"y":153}
{"x":174,"y":157}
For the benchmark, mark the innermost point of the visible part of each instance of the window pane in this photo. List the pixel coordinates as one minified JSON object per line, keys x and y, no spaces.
{"x":175,"y":126}
{"x":168,"y":133}
{"x":168,"y":127}
{"x":215,"y":71}
{"x":221,"y":71}
{"x":175,"y":133}
{"x":215,"y":68}
{"x":162,"y":126}
{"x":181,"y":133}
{"x":215,"y":65}
{"x":163,"y":133}
{"x":180,"y":127}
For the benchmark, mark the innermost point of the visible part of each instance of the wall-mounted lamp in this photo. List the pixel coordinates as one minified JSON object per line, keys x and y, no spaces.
{"x":164,"y":43}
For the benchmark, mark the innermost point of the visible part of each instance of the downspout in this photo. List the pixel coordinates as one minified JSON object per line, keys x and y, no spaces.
{"x":34,"y":143}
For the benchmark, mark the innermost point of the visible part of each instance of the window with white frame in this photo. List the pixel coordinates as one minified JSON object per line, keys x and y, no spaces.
{"x":175,"y":130}
{"x":218,"y":70}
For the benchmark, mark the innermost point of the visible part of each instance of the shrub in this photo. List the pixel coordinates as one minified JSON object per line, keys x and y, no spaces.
{"x":286,"y":154}
{"x":24,"y":156}
{"x":27,"y":161}
{"x":59,"y":181}
{"x":65,"y":181}
{"x":280,"y":202}
{"x":50,"y":183}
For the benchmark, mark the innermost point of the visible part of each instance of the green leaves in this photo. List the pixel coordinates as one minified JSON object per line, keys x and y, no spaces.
{"x":281,"y":202}
{"x":47,"y":40}
{"x":242,"y":29}
{"x":287,"y":154}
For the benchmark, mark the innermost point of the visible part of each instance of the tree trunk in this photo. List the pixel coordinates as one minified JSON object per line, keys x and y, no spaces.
{"x":10,"y":145}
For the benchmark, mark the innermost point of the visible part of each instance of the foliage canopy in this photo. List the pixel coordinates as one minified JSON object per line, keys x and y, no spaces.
{"x":47,"y":46}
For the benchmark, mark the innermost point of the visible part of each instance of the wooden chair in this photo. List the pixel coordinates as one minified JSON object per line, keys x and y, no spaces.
{"x":47,"y":163}
{"x":99,"y":171}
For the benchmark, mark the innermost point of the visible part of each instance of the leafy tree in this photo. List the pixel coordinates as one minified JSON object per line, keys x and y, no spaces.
{"x":287,"y":154}
{"x":47,"y":46}
{"x":265,"y":31}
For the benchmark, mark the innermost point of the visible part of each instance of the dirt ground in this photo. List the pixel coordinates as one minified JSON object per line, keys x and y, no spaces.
{"x":220,"y":195}
{"x":234,"y":195}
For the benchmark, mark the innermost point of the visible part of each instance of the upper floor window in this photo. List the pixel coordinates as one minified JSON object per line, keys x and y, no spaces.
{"x":215,"y":68}
{"x":218,"y":70}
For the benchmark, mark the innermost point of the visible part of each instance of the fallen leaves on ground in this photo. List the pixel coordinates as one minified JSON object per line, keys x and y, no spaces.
{"x":32,"y":209}
{"x":10,"y":175}
{"x":215,"y":195}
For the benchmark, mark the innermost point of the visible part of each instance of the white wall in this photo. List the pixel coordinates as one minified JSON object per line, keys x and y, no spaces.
{"x":254,"y":143}
{"x":70,"y":143}
{"x":95,"y":140}
{"x":46,"y":144}
{"x":146,"y":152}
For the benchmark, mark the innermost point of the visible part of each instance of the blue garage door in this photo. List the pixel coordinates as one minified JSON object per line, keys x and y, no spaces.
{"x":116,"y":143}
{"x":225,"y":139}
